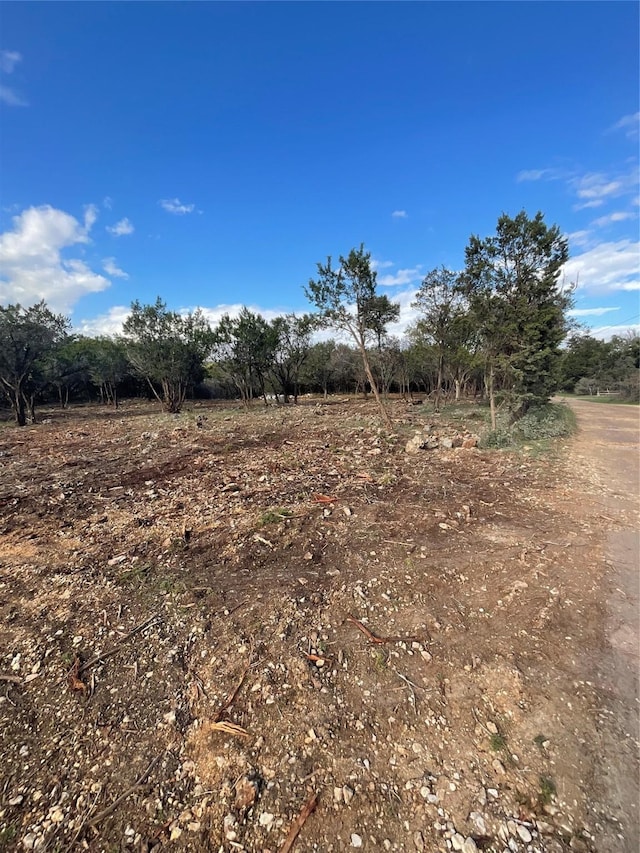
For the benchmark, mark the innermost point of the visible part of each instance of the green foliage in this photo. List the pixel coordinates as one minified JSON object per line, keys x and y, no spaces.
{"x":244,"y":348}
{"x":347,"y":300}
{"x":497,"y":742}
{"x":445,"y":323}
{"x":28,"y":337}
{"x":590,"y":366}
{"x":519,"y":307}
{"x":167,"y":349}
{"x":273,"y":516}
{"x":291,"y":350}
{"x":497,"y":439}
{"x":555,"y":420}
{"x":548,"y":790}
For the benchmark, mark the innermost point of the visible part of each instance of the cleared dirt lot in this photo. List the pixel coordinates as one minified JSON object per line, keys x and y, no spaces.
{"x":211,"y":621}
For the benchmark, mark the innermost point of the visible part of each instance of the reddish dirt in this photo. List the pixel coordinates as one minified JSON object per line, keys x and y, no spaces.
{"x":270,"y":550}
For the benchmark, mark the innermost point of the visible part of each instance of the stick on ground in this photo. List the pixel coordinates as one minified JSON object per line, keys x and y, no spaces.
{"x":137,"y":784}
{"x":298,"y":823}
{"x":115,"y":649}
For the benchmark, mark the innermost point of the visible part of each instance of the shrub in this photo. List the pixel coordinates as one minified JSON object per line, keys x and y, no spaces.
{"x":551,"y":421}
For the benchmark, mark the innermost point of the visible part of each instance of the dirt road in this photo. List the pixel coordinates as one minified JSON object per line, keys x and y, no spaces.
{"x":608,"y":442}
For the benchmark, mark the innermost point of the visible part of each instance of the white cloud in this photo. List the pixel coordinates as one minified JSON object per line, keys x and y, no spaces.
{"x":8,"y":61}
{"x":579,"y":238}
{"x":629,"y":124}
{"x":400,"y":278}
{"x":400,"y":214}
{"x":539,"y":175}
{"x":32,"y":267}
{"x":121,"y":228}
{"x":381,"y":265}
{"x":610,"y":218}
{"x":107,"y":202}
{"x":605,"y":333}
{"x":111,"y":268}
{"x":104,"y":324}
{"x":592,"y":189}
{"x":111,"y":323}
{"x":90,"y":216}
{"x":630,"y":286}
{"x":590,"y":312}
{"x":595,"y":188}
{"x":607,"y":267}
{"x":11,"y":97}
{"x":175,"y":206}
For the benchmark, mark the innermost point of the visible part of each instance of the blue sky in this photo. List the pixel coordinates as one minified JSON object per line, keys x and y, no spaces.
{"x":212,"y":153}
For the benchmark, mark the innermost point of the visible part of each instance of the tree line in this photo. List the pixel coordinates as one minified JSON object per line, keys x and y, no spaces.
{"x":494,"y":330}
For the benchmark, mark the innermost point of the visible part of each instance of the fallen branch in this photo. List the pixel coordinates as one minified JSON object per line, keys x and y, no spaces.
{"x":137,"y":784}
{"x":229,"y":728}
{"x":233,"y":695}
{"x":14,"y":679}
{"x":109,"y":654}
{"x":379,"y":641}
{"x":368,"y":634}
{"x":298,"y":823}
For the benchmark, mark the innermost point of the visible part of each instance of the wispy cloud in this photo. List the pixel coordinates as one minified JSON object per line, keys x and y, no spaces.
{"x":594,"y":188}
{"x":610,"y":218}
{"x":107,"y":202}
{"x":32,"y":264}
{"x":630,"y":124}
{"x":590,"y":312}
{"x":606,"y":268}
{"x":11,"y":98}
{"x":605,"y":333}
{"x":400,"y":214}
{"x":541,"y":175}
{"x":175,"y":206}
{"x":121,"y":228}
{"x":8,"y":60}
{"x":8,"y":95}
{"x":90,"y":216}
{"x":402,"y":277}
{"x":579,"y":238}
{"x":111,"y":268}
{"x":381,"y":265}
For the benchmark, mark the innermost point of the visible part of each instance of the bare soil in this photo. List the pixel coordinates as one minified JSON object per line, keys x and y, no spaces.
{"x":222,"y":627}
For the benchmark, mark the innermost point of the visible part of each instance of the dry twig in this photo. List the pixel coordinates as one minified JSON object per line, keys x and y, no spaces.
{"x":231,"y":699}
{"x":106,"y":655}
{"x":298,"y":823}
{"x":137,"y":784}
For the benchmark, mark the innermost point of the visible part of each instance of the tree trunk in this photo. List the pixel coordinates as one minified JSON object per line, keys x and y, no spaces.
{"x":492,"y":399}
{"x":439,"y":382}
{"x":17,"y":404}
{"x":384,"y":414}
{"x":30,"y":403}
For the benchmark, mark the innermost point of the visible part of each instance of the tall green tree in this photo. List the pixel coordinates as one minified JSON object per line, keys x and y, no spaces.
{"x":167,"y":349}
{"x":27,"y":337}
{"x":512,"y":283}
{"x":292,"y":347}
{"x":442,"y":309}
{"x":319,"y":370}
{"x":244,"y":350}
{"x":108,"y":367}
{"x":347,"y":300}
